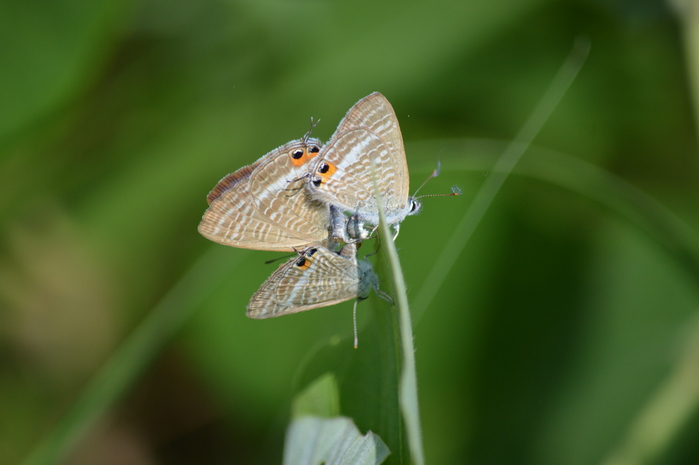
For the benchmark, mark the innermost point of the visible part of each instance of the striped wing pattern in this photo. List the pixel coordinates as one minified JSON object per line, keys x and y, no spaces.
{"x":370,"y":130}
{"x":318,"y":277}
{"x":263,"y":206}
{"x":293,"y":199}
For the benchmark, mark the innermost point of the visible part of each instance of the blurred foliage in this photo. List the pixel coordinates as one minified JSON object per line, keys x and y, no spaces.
{"x":564,"y":315}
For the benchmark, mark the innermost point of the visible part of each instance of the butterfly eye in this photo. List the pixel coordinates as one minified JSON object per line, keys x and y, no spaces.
{"x":317,"y":181}
{"x":414,"y":206}
{"x":314,"y":149}
{"x":296,"y":154}
{"x":324,"y":168}
{"x":311,"y":252}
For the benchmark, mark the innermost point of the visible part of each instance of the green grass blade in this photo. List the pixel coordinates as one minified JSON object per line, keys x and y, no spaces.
{"x":503,"y":167}
{"x":368,"y":377}
{"x":321,"y":398}
{"x":408,"y":378}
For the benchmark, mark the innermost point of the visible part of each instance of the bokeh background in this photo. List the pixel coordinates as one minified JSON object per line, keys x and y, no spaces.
{"x":566,"y":313}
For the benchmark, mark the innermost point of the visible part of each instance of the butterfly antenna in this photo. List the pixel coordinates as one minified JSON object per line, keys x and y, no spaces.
{"x":356,"y":338}
{"x":294,"y":190}
{"x":303,"y":176}
{"x":305,"y":141}
{"x":455,"y":190}
{"x":308,"y":134}
{"x":434,"y":174}
{"x":283,"y":257}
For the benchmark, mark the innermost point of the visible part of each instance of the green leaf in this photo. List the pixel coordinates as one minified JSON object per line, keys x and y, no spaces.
{"x":318,"y":435}
{"x":367,"y":377}
{"x":321,"y":398}
{"x":331,"y":441}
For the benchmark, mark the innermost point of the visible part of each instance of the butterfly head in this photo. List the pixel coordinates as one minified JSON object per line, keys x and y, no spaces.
{"x":414,"y":206}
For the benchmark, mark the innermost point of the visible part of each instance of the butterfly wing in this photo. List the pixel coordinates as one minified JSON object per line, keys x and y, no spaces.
{"x":316,"y":278}
{"x":279,"y":194}
{"x":341,"y":175}
{"x":253,"y":208}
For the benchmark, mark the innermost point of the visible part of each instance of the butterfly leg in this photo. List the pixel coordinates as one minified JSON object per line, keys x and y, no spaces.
{"x":396,"y":230}
{"x":338,"y":225}
{"x":384,"y":295}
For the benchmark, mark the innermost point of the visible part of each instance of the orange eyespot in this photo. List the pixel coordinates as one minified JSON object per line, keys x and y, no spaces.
{"x":324,"y":172}
{"x":303,"y":263}
{"x":301,"y":156}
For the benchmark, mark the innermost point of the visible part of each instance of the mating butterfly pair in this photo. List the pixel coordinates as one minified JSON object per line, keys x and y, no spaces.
{"x":306,"y":198}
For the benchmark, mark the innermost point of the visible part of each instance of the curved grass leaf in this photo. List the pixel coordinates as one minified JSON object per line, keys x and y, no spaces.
{"x":664,"y":415}
{"x":408,"y":398}
{"x":503,"y":167}
{"x":587,"y":180}
{"x":321,"y":399}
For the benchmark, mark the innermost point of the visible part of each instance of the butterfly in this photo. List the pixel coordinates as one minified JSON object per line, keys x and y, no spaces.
{"x":317,"y":277}
{"x":341,"y":173}
{"x":264,"y":206}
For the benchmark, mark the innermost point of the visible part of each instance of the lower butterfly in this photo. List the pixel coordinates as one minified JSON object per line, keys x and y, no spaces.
{"x":317,"y":277}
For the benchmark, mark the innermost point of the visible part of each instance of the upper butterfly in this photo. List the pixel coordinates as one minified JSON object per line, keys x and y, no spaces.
{"x":264,"y":206}
{"x":341,"y":174}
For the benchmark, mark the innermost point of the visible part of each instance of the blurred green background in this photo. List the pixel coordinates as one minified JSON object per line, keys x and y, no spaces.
{"x":565,"y":314}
